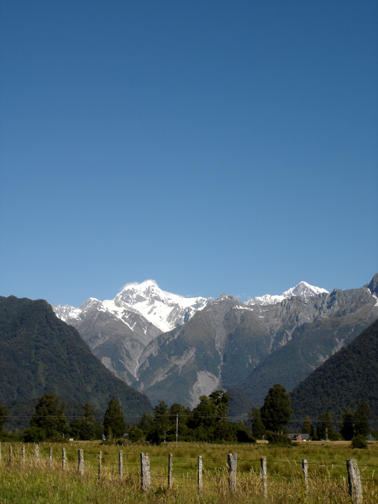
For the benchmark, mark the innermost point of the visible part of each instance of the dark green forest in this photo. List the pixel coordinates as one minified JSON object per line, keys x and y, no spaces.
{"x":39,"y":353}
{"x":347,"y":378}
{"x":208,"y":422}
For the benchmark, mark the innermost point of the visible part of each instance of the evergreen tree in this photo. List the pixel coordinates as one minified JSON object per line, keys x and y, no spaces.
{"x":313,"y":432}
{"x":276,"y":411}
{"x":325,"y":427}
{"x":161,"y":418}
{"x":258,"y":429}
{"x":204,"y":414}
{"x":221,"y":401}
{"x":114,"y":422}
{"x":3,"y":416}
{"x":208,"y":419}
{"x":160,"y":424}
{"x":361,"y":419}
{"x":347,"y":424}
{"x":86,"y":426}
{"x":307,"y":426}
{"x":145,"y":423}
{"x":48,"y":421}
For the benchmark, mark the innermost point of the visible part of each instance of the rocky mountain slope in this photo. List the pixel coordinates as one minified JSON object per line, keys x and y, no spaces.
{"x":118,"y":330}
{"x":339,"y":318}
{"x":220,"y":343}
{"x":40,"y":353}
{"x":253,"y":346}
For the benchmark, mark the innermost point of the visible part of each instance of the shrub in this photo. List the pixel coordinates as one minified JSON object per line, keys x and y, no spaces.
{"x":135,"y":434}
{"x":155,"y":436}
{"x":243,"y":436}
{"x":277,"y":438}
{"x":34,"y":435}
{"x":359,"y":442}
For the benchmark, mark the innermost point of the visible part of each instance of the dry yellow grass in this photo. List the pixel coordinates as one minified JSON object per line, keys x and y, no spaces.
{"x":38,"y":482}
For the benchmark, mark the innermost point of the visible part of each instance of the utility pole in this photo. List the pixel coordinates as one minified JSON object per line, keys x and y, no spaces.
{"x":176,"y":427}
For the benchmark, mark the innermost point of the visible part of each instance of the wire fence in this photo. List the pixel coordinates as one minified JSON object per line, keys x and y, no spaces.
{"x":19,"y":455}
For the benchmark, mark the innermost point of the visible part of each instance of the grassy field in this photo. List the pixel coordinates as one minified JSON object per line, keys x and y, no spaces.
{"x":36,"y":482}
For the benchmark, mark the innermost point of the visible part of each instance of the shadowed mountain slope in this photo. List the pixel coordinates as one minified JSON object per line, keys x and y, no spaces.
{"x":40,"y":353}
{"x":345,"y":379}
{"x":347,"y":313}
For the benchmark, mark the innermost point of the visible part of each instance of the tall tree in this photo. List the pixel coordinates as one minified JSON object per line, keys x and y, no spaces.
{"x":362,"y":415}
{"x":307,"y":426}
{"x":204,"y":414}
{"x":86,"y":426}
{"x":161,"y":418}
{"x":347,"y":424}
{"x":221,"y":402}
{"x":160,"y":424}
{"x":325,"y":428}
{"x":3,"y":416}
{"x":114,"y":422}
{"x":258,"y":429}
{"x":48,"y":421}
{"x":145,"y":423}
{"x":276,"y":411}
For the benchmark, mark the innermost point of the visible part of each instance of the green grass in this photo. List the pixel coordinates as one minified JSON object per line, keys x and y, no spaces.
{"x":36,"y":482}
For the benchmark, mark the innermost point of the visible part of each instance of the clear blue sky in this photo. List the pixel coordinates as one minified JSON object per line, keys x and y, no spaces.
{"x":213,"y":146}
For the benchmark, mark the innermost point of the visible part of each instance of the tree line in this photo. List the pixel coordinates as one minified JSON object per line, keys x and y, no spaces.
{"x":208,"y":421}
{"x":350,"y":425}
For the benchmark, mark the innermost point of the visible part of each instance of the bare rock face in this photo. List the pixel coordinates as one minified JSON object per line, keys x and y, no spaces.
{"x":373,"y":285}
{"x":119,"y":330}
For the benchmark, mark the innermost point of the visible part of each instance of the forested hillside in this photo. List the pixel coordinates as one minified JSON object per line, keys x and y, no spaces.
{"x":40,"y":353}
{"x":344,"y":380}
{"x":311,"y":344}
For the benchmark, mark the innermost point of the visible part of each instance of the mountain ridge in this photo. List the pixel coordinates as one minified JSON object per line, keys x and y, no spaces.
{"x":219,"y":342}
{"x":40,"y":353}
{"x":348,"y":377}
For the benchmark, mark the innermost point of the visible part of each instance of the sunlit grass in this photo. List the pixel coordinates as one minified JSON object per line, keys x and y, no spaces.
{"x":36,"y":481}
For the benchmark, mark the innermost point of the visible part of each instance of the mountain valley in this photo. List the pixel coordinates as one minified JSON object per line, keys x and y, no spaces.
{"x":176,"y":349}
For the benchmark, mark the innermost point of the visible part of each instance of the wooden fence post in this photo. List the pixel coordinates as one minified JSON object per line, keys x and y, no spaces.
{"x":170,"y":470}
{"x":354,"y":480}
{"x":99,"y":466}
{"x":232,"y":459}
{"x":145,"y":476}
{"x":120,"y":464}
{"x":80,"y":461}
{"x":199,"y":475}
{"x":50,"y":456}
{"x":64,"y":459}
{"x":36,"y":451}
{"x":23,"y":454}
{"x":264,"y":476}
{"x":305,"y":473}
{"x":10,"y":454}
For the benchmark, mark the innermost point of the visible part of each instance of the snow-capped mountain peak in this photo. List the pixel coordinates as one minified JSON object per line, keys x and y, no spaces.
{"x":163,"y":309}
{"x":302,"y":289}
